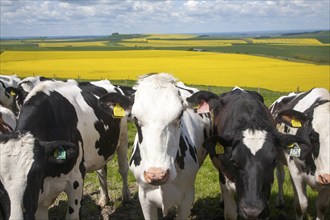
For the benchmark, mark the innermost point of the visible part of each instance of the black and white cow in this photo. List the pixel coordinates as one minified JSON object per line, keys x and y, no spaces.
{"x":306,"y":115}
{"x":244,"y":149}
{"x":64,"y":111}
{"x":22,"y":89}
{"x":168,"y":146}
{"x":6,"y":99}
{"x":7,"y":120}
{"x":29,"y":166}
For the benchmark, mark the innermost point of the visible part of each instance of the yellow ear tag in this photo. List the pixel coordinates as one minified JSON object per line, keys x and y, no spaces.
{"x":291,"y":145}
{"x":196,"y":106}
{"x":118,"y":111}
{"x":219,"y":149}
{"x":12,"y":93}
{"x":295,"y":123}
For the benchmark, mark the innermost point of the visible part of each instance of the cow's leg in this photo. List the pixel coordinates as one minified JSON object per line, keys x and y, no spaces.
{"x":149,"y":210}
{"x":280,"y":174}
{"x":74,"y":191}
{"x":322,"y":203}
{"x":102,"y":176}
{"x":300,"y":198}
{"x":42,"y":213}
{"x":183,"y":210}
{"x":122,"y":159}
{"x":230,"y":209}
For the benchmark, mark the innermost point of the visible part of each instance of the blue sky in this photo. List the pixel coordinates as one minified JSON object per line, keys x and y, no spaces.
{"x":103,"y":17}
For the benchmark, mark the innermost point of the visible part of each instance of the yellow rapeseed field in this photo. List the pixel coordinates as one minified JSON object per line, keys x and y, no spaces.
{"x":289,"y":41}
{"x":171,"y":36}
{"x":74,"y":44}
{"x":144,"y":42}
{"x":190,"y":67}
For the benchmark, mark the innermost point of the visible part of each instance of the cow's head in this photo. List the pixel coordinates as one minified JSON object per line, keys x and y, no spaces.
{"x":20,"y":92}
{"x":313,"y":126}
{"x":157,"y":111}
{"x":7,"y":81}
{"x":245,"y":147}
{"x":24,"y":164}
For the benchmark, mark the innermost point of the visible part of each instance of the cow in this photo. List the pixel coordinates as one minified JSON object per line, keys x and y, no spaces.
{"x":306,"y":115}
{"x":6,"y":99}
{"x":22,"y":89}
{"x":168,"y":145}
{"x":7,"y":120}
{"x":28,"y":166}
{"x":65,"y":111}
{"x":244,"y":149}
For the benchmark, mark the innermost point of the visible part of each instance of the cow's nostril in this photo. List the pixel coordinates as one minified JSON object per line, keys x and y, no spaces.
{"x":156,"y":176}
{"x":323,"y":179}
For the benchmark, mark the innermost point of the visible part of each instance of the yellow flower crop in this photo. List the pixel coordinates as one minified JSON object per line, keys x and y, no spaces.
{"x":289,"y":41}
{"x":145,"y":42}
{"x":74,"y":44}
{"x":190,"y":67}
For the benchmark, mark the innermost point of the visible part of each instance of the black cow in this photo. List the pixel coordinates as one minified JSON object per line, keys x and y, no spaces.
{"x":244,"y":149}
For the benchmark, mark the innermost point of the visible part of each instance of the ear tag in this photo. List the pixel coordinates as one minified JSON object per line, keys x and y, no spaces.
{"x":295,"y":150}
{"x":219,"y":149}
{"x":12,"y":93}
{"x":60,"y":153}
{"x":118,"y":111}
{"x":203,"y":108}
{"x":295,"y":123}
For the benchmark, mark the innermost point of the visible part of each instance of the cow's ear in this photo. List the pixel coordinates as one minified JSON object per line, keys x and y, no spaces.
{"x":202,"y":101}
{"x":292,"y":118}
{"x":60,"y":152}
{"x":116,"y":104}
{"x":216,"y":145}
{"x":288,"y":141}
{"x":12,"y":91}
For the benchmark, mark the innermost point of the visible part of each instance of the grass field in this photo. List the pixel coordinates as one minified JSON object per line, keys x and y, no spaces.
{"x":191,"y":67}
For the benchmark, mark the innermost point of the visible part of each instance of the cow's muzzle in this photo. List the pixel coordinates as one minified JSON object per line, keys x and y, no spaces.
{"x":254,"y":212}
{"x":323,"y":179}
{"x":156,"y":176}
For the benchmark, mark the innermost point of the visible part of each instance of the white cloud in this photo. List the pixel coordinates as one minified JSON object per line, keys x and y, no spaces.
{"x":77,"y":17}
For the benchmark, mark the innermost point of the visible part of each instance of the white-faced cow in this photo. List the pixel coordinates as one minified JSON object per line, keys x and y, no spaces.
{"x":244,"y":150}
{"x":22,"y":89}
{"x":306,"y":115}
{"x":6,"y":99}
{"x":168,"y":146}
{"x":61,"y":111}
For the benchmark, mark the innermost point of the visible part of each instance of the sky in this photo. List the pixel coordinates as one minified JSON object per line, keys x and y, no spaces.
{"x":25,"y":18}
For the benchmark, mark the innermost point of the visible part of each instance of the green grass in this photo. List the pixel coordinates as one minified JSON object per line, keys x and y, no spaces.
{"x":207,"y":189}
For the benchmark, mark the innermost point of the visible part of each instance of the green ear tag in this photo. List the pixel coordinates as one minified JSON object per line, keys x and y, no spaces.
{"x":295,"y":123}
{"x":60,"y":153}
{"x":219,"y":149}
{"x":118,"y":111}
{"x":295,"y":150}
